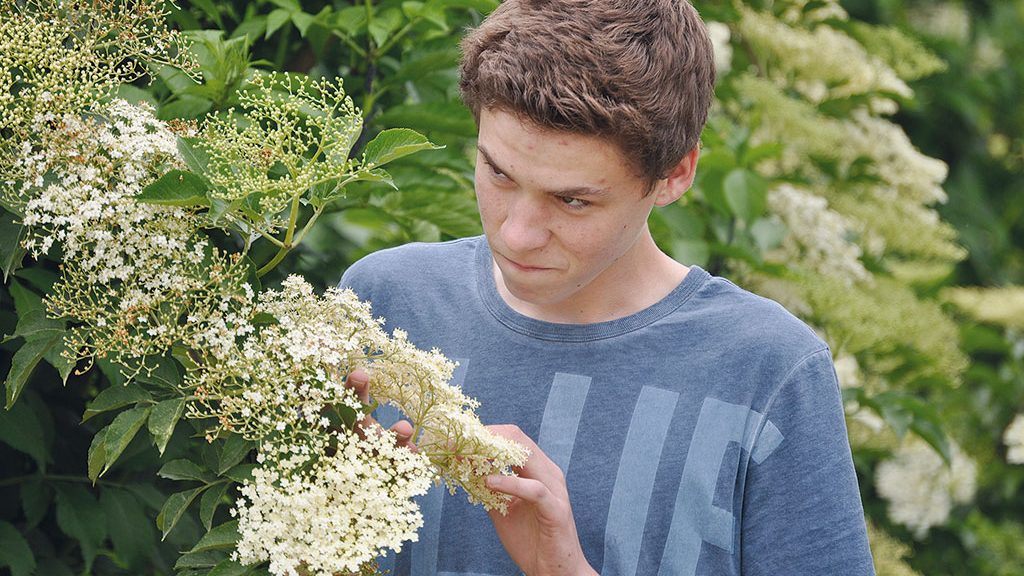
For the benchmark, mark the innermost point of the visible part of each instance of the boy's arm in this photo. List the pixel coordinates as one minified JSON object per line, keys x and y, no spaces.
{"x":802,"y":513}
{"x":538,"y":532}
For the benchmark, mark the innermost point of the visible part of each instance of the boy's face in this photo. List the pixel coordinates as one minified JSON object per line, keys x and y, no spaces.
{"x":565,"y":216}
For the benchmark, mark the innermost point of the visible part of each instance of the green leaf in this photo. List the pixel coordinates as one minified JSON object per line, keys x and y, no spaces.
{"x":222,"y":537}
{"x":128,"y":525}
{"x":97,"y":459}
{"x":183,"y":469}
{"x":393,"y":144}
{"x":21,"y":429}
{"x":186,"y":107}
{"x":176,"y":188}
{"x":24,"y":362}
{"x":53,"y":567}
{"x":163,"y":419}
{"x":25,"y":300}
{"x":275,"y":20}
{"x":35,"y":501}
{"x":61,"y":359}
{"x":121,"y":431}
{"x":80,"y":516}
{"x":229,"y":567}
{"x":241,"y":473}
{"x":448,"y":117}
{"x":207,"y":559}
{"x":11,"y":252}
{"x":37,"y":325}
{"x":14,"y":551}
{"x":194,"y":156}
{"x":212,"y":499}
{"x":235,"y":448}
{"x":115,"y":397}
{"x":383,"y":24}
{"x":166,"y":374}
{"x":174,"y":508}
{"x":746,"y":194}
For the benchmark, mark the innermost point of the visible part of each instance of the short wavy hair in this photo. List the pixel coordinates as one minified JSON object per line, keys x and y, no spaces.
{"x":638,"y":72}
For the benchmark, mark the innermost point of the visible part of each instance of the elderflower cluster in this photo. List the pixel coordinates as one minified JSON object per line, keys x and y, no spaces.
{"x":131,"y":270}
{"x":289,"y":366}
{"x":64,"y":54}
{"x":266,"y":156}
{"x":921,"y":488}
{"x":330,"y":513}
{"x":806,"y":59}
{"x":1013,"y":437}
{"x":818,"y":237}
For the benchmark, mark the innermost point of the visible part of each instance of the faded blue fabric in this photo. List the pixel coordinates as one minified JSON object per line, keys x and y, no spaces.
{"x":701,"y":436}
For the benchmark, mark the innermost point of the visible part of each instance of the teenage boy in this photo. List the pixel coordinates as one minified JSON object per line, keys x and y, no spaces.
{"x":678,"y":424}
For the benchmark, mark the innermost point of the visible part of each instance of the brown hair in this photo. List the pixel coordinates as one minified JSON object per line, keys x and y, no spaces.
{"x":640,"y":72}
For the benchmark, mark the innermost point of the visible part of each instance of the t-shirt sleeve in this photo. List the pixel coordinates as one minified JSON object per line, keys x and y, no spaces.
{"x":802,"y":512}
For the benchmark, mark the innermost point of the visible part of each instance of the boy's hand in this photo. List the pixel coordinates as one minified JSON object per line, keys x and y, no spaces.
{"x":359,"y":381}
{"x":539,"y":531}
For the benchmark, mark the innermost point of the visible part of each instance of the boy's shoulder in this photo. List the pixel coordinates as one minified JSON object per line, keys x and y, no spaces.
{"x":413,"y":266}
{"x":750,"y":321}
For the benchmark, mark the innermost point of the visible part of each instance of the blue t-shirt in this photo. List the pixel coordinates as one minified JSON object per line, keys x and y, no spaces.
{"x":702,"y":435}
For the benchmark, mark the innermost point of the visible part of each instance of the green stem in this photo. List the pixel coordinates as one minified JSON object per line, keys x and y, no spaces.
{"x":287,"y":245}
{"x":308,"y":225}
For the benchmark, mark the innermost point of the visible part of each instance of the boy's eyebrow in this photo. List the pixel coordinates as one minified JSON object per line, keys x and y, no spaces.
{"x":571,"y":191}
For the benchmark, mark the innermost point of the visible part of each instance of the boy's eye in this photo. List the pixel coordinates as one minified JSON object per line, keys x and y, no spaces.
{"x":574,"y":203}
{"x":495,"y":172}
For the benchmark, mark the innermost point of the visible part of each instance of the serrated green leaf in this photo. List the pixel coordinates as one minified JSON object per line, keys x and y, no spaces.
{"x":207,"y":559}
{"x":174,"y":508}
{"x":383,"y":24}
{"x":121,"y":431}
{"x":25,"y":300}
{"x":182,"y":469}
{"x":35,"y":501}
{"x":194,"y":156}
{"x":36,"y":325}
{"x":275,"y":20}
{"x":60,"y":358}
{"x":14,"y":551}
{"x":20,"y":429}
{"x":210,"y":501}
{"x":80,"y":516}
{"x":185,"y":107}
{"x":241,"y":473}
{"x":166,"y":374}
{"x":395,"y":143}
{"x":115,"y":397}
{"x":11,"y":251}
{"x":176,"y":188}
{"x":229,"y":567}
{"x":234,"y":449}
{"x":97,"y":459}
{"x":163,"y":419}
{"x":130,"y":531}
{"x":24,"y":362}
{"x":222,"y":537}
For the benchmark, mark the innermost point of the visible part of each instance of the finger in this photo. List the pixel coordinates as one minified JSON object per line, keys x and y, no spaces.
{"x":528,"y":489}
{"x":359,"y":380}
{"x":538,"y":465}
{"x":403,"y":434}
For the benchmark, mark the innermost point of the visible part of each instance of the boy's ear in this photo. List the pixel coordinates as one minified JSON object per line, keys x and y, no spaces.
{"x":679,"y":179}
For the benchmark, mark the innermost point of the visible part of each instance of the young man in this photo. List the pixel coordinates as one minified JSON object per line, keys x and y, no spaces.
{"x":678,"y":425}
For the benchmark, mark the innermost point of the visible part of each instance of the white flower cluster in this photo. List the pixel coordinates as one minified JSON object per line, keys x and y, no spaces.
{"x":328,"y":515}
{"x":720,"y":36}
{"x":283,"y":375}
{"x":819,"y":236}
{"x":138,"y":278}
{"x":921,"y":488}
{"x":806,"y":59}
{"x":1013,"y":437}
{"x":130,"y":269}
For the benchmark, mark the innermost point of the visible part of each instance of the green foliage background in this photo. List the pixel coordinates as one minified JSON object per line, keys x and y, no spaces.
{"x":397,"y":60}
